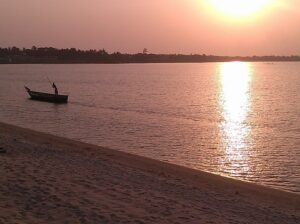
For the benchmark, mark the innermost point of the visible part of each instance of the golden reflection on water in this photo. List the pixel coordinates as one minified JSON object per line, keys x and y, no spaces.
{"x":235,"y":78}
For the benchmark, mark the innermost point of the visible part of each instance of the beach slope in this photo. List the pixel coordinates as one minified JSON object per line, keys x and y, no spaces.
{"x":48,"y":179}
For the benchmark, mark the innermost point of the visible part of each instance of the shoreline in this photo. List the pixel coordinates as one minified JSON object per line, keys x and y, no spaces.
{"x":130,"y":63}
{"x":94,"y":165}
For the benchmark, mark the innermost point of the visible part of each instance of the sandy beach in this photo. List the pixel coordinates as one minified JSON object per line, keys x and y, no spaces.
{"x":48,"y":179}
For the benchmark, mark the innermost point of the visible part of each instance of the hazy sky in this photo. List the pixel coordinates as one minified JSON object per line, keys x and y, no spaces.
{"x":161,"y":26}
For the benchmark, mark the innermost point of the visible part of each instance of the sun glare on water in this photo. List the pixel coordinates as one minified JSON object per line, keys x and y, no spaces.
{"x":240,"y":8}
{"x":235,"y":80}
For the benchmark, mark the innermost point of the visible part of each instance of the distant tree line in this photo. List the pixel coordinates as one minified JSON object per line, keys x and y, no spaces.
{"x":14,"y":55}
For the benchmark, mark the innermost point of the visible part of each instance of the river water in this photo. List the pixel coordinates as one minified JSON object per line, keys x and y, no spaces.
{"x":236,"y":119}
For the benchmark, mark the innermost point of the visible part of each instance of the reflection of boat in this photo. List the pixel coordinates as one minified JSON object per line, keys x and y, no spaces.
{"x":53,"y":98}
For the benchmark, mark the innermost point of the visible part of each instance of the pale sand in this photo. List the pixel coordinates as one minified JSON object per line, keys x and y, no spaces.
{"x":47,"y":179}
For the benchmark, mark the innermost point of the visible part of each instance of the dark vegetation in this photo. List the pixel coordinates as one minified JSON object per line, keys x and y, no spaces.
{"x":14,"y":55}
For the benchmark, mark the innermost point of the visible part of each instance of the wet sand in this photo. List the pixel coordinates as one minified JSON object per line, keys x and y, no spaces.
{"x":48,"y":179}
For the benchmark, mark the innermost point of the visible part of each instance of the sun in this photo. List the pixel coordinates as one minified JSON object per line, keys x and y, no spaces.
{"x":240,"y":8}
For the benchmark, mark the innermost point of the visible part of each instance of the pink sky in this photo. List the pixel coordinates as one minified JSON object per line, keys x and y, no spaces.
{"x":161,"y":26}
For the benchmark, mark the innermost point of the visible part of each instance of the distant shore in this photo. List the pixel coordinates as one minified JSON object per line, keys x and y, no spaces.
{"x":50,"y":55}
{"x":49,"y":179}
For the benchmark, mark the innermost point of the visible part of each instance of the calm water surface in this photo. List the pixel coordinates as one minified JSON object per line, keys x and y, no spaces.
{"x":240,"y":120}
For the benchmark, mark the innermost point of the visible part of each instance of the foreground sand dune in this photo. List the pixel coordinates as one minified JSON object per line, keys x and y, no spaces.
{"x":47,"y":179}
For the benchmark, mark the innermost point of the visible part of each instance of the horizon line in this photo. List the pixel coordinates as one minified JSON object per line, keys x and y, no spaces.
{"x":149,"y":53}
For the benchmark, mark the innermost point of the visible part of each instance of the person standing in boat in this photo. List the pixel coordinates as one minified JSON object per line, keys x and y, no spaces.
{"x":55,"y":88}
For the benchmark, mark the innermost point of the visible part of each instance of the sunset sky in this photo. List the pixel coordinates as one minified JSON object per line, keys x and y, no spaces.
{"x":161,"y":26}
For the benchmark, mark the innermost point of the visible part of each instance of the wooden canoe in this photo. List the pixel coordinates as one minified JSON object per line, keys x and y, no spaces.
{"x":47,"y":97}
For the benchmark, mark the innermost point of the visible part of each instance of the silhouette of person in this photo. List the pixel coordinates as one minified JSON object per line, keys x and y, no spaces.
{"x":55,"y":88}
